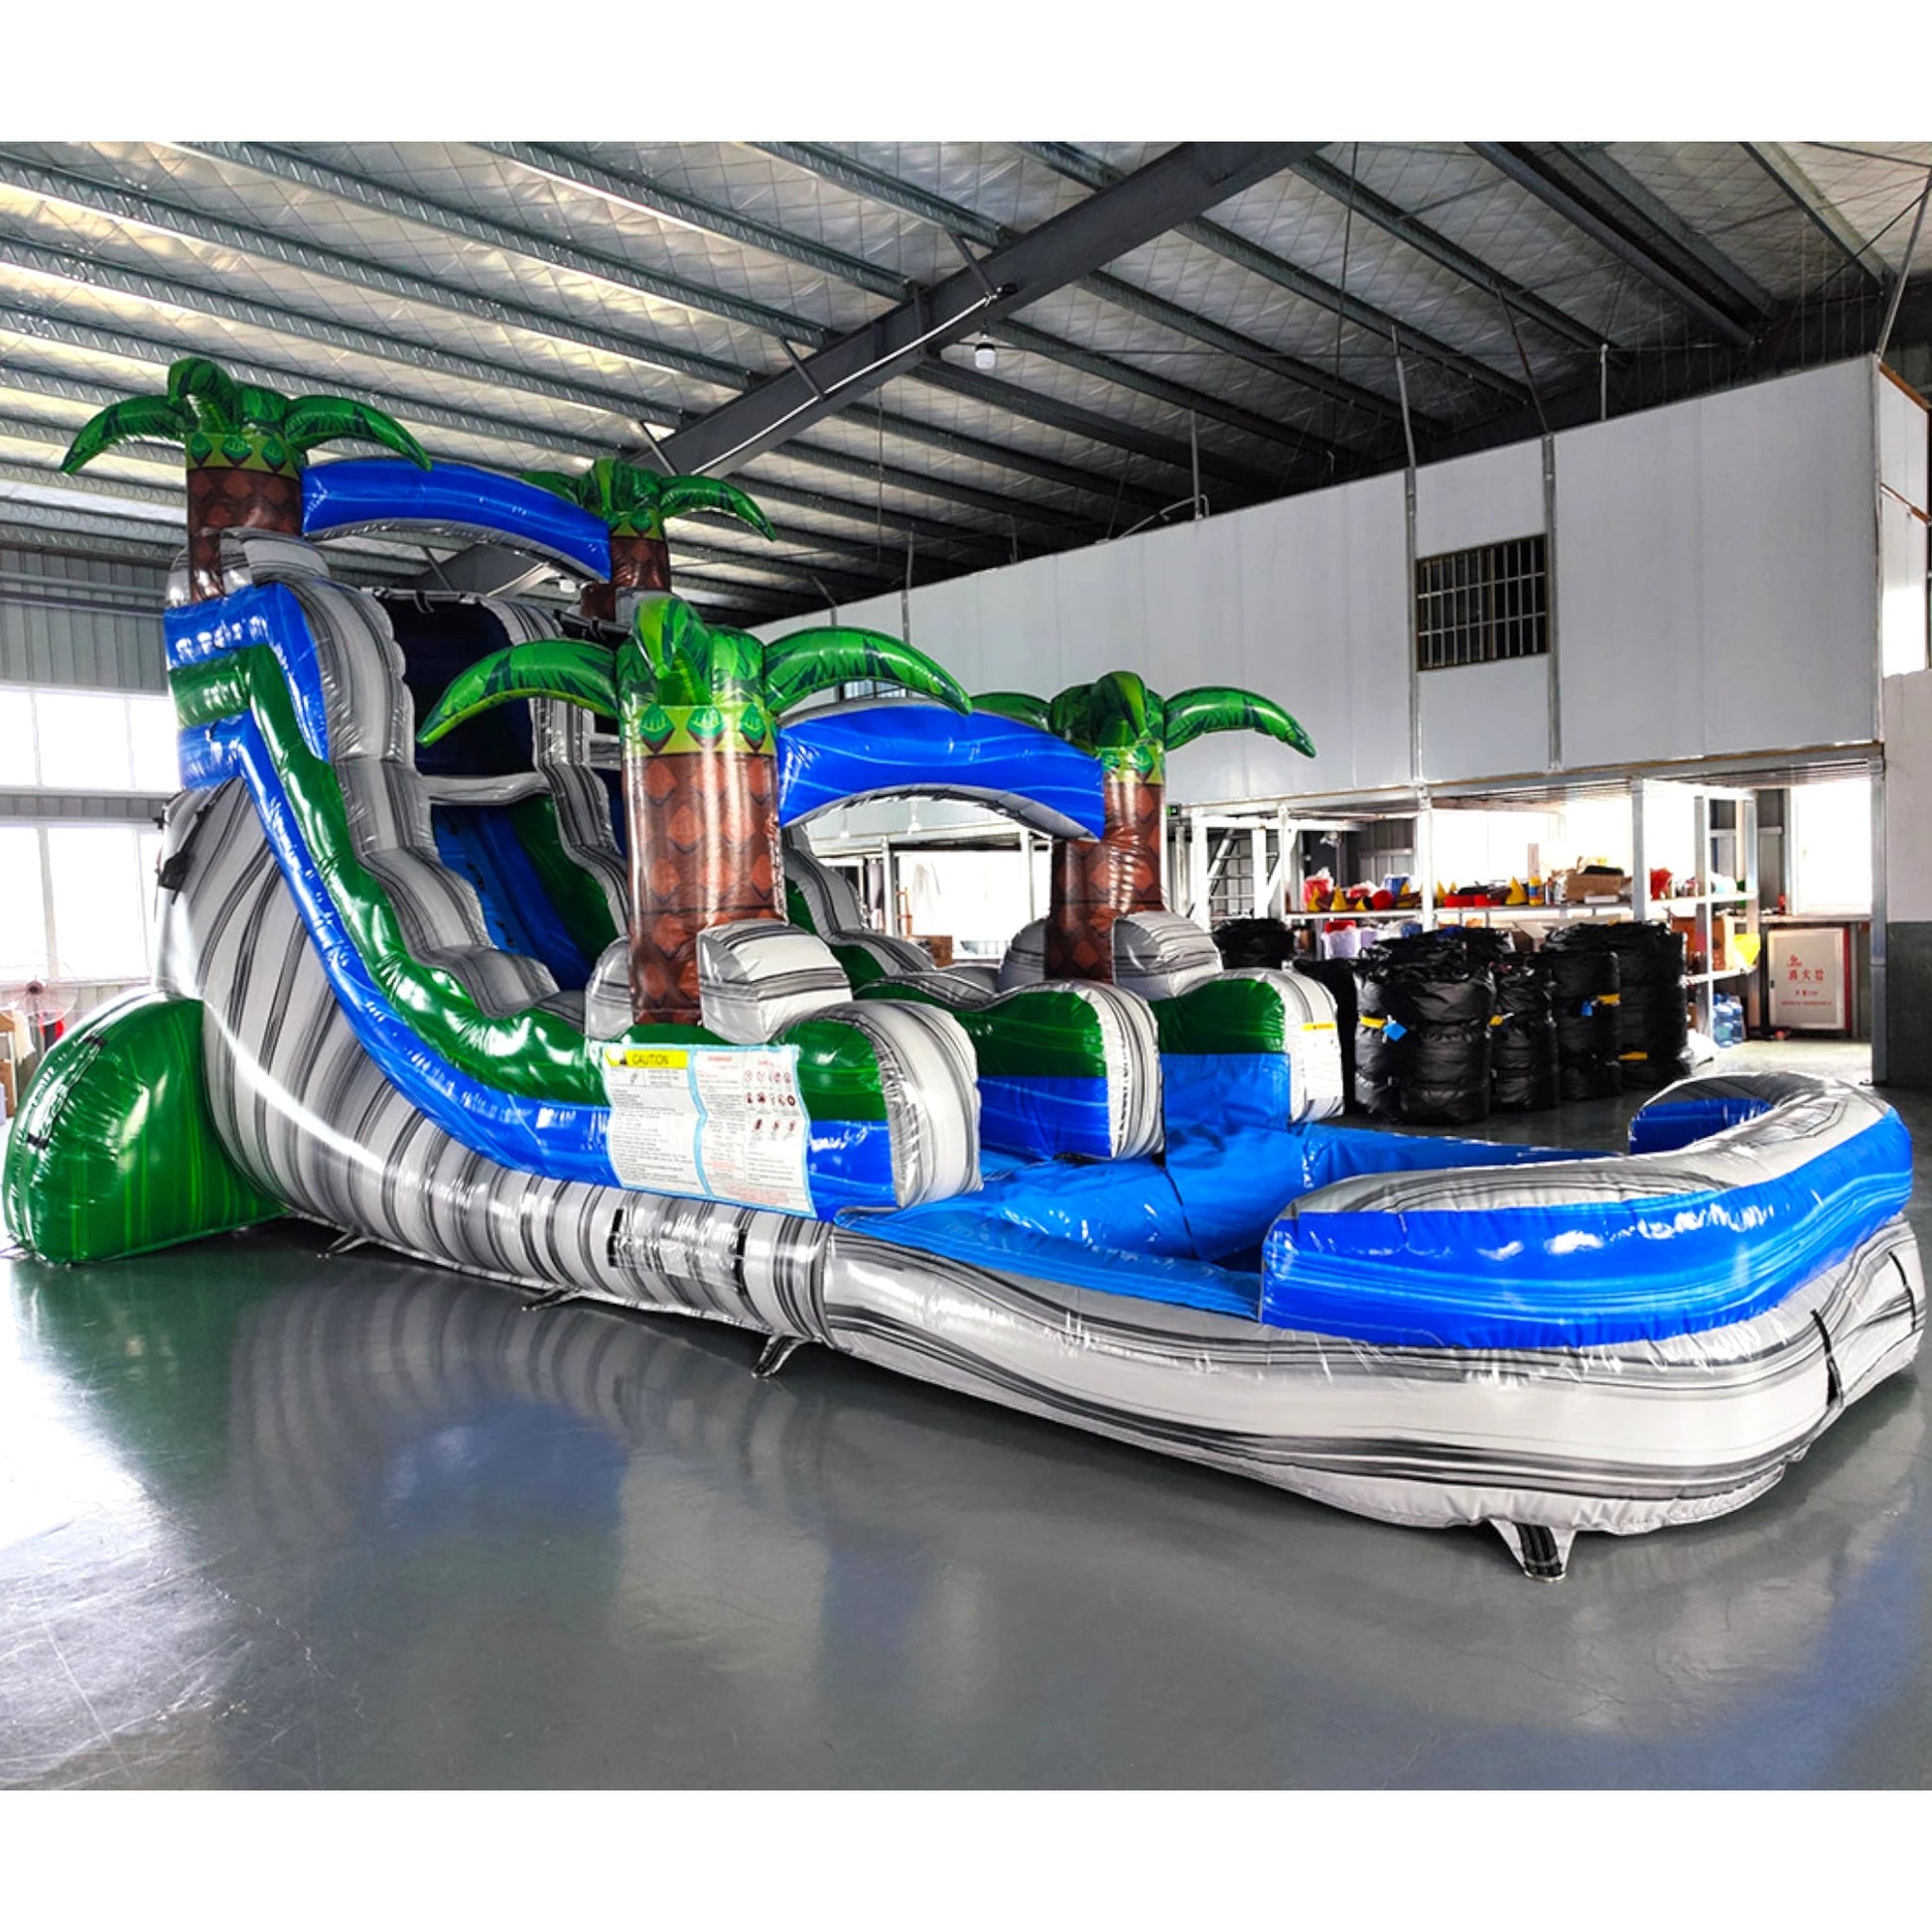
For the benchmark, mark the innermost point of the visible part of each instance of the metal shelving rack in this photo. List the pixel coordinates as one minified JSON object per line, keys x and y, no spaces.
{"x":1723,"y":844}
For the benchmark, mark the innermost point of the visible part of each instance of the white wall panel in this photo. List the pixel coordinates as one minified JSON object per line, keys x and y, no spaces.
{"x":945,"y":619}
{"x":1484,"y":498}
{"x":1324,"y":628}
{"x":1017,"y":645}
{"x":1902,"y":451}
{"x":1902,"y":594}
{"x":1101,"y":598}
{"x":1485,"y":720}
{"x":1902,"y":455}
{"x":1716,"y":583}
{"x":1909,"y":797}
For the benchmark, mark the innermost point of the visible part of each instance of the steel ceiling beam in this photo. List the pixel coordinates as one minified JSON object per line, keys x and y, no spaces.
{"x":1386,"y":215}
{"x":641,"y":192}
{"x":1125,"y":375}
{"x":649,"y":197}
{"x":747,"y":559}
{"x":1076,"y":421}
{"x":1611,"y":178}
{"x":189,"y":299}
{"x":1077,"y":165}
{"x":1112,"y":222}
{"x":974,"y":449}
{"x":1616,"y":232}
{"x":956,"y":219}
{"x":915,"y":482}
{"x":1782,"y":166}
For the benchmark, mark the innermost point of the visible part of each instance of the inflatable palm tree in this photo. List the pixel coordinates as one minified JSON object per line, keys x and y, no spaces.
{"x":246,"y":450}
{"x":635,"y":504}
{"x":1131,"y":731}
{"x":697,"y":708}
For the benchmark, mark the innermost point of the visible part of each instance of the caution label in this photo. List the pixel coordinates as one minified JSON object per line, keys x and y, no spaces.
{"x":723,"y":1122}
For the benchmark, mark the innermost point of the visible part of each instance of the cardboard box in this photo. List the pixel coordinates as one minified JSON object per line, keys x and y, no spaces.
{"x":1581,"y":888}
{"x":1722,"y":926}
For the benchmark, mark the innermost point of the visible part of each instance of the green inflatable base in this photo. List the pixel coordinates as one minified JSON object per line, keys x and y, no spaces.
{"x":113,"y":1150}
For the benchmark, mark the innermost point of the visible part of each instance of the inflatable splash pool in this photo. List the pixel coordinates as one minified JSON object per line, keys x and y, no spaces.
{"x":406,"y":991}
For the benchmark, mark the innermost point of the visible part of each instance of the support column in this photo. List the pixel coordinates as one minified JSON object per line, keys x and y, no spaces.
{"x":1901,"y":897}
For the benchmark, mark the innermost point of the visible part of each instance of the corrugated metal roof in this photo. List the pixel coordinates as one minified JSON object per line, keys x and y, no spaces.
{"x":528,"y":304}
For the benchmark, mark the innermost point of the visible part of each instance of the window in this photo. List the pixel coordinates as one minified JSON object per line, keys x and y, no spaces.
{"x":155,"y":739}
{"x":82,"y":741}
{"x":1482,"y":606}
{"x":23,"y":911}
{"x":1828,"y":841}
{"x":88,"y":741}
{"x":17,"y":765}
{"x":101,"y":901}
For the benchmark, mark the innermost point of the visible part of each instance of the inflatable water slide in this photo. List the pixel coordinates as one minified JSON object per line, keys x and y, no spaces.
{"x":492,"y":935}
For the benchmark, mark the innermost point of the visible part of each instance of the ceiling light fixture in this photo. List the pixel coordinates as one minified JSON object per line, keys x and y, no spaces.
{"x":986,"y":358}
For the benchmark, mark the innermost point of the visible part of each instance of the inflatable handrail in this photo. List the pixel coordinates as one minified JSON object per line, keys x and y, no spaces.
{"x":892,"y":746}
{"x":388,"y":493}
{"x":1590,"y":1252}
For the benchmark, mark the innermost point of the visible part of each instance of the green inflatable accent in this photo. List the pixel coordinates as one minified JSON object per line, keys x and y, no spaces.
{"x":1223,"y":1016}
{"x":535,"y":1054}
{"x":114,"y":1151}
{"x":1034,"y":1030}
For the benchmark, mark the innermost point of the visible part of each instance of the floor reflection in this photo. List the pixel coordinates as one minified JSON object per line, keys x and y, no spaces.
{"x":359,"y":1522}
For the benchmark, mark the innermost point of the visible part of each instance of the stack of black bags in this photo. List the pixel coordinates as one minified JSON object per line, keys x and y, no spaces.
{"x":1422,"y":1049}
{"x":1254,"y":942}
{"x":1653,"y":1024}
{"x":1523,"y":1074}
{"x":1620,"y":1006}
{"x":1585,"y":984}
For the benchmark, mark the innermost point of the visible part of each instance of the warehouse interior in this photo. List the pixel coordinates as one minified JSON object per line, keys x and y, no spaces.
{"x":1573,"y":494}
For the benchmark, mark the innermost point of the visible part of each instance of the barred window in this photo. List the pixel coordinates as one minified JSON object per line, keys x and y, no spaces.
{"x":1481,"y":605}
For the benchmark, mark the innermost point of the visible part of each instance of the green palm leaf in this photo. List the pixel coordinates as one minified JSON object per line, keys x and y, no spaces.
{"x":548,"y":667}
{"x":676,"y":650}
{"x":737,"y":666}
{"x":680,"y":495}
{"x":327,"y":419}
{"x":825,"y":655}
{"x":1120,"y":712}
{"x":138,"y":419}
{"x":262,"y":408}
{"x":555,"y":482}
{"x":1205,"y":707}
{"x":1021,"y":706}
{"x":210,"y":388}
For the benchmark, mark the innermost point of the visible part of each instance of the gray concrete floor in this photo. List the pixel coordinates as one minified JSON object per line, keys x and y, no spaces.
{"x":270,"y":1519}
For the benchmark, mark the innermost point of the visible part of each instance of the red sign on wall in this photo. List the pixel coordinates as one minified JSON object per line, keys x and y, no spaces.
{"x":1811,"y":979}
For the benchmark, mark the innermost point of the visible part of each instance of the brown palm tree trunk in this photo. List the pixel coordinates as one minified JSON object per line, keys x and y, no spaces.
{"x":229,"y":497}
{"x":1096,"y":881}
{"x":703,"y":832}
{"x":636,"y":564}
